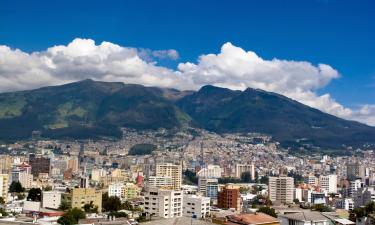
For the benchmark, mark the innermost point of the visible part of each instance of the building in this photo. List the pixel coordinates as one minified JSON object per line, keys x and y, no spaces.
{"x":165,"y":182}
{"x":170,"y":170}
{"x":51,"y":199}
{"x":78,"y":197}
{"x":25,"y":179}
{"x":39,"y":165}
{"x":5,"y":164}
{"x":73,"y":164}
{"x":229,"y":197}
{"x":4,"y":184}
{"x":364,"y":195}
{"x":354,"y":171}
{"x":208,"y":187}
{"x":311,"y":180}
{"x":304,"y":218}
{"x":328,"y":183}
{"x":196,"y":206}
{"x":354,"y":186}
{"x":281,"y":189}
{"x":126,"y":191}
{"x":242,"y":168}
{"x":163,"y":203}
{"x":346,"y":203}
{"x":252,"y":219}
{"x":211,"y":171}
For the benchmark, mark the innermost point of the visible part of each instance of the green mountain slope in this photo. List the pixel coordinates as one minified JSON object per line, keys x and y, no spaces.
{"x":91,"y":109}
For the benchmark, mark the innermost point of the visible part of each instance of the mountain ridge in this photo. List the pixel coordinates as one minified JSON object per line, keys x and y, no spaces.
{"x":97,"y":109}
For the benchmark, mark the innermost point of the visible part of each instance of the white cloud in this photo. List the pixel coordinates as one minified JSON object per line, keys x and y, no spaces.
{"x":233,"y":68}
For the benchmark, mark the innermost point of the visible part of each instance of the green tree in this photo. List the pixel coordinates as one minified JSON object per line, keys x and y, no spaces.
{"x":246,"y":177}
{"x":64,"y":205}
{"x":16,"y":187}
{"x":35,"y":194}
{"x":322,"y":208}
{"x":296,"y":201}
{"x":90,"y":208}
{"x":267,"y":210}
{"x":127,"y":206}
{"x":2,"y":201}
{"x":71,"y":217}
{"x":110,"y":204}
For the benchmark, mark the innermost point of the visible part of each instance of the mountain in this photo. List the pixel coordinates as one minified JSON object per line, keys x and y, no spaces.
{"x":92,"y":109}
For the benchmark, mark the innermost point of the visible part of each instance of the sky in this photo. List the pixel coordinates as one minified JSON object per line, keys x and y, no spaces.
{"x":319,"y":52}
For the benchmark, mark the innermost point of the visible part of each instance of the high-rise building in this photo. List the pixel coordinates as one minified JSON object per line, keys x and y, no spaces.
{"x":229,"y":197}
{"x":242,"y":168}
{"x":170,"y":170}
{"x":311,"y":180}
{"x":211,"y":171}
{"x":328,"y":183}
{"x":281,"y":189}
{"x":5,"y":164}
{"x":196,"y":206}
{"x":208,"y":187}
{"x":4,"y":184}
{"x":163,"y":203}
{"x":39,"y":165}
{"x":164,"y":182}
{"x":354,"y":171}
{"x":78,"y":197}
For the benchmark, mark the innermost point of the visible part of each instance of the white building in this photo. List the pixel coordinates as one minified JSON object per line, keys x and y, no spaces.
{"x":328,"y":183}
{"x":354,"y":186}
{"x":160,"y":182}
{"x":163,"y":203}
{"x":51,"y":199}
{"x":312,"y":180}
{"x":211,"y":171}
{"x":281,"y":189}
{"x":196,"y":206}
{"x":347,"y":204}
{"x":208,"y":187}
{"x":241,"y":168}
{"x":115,"y":190}
{"x":304,"y":218}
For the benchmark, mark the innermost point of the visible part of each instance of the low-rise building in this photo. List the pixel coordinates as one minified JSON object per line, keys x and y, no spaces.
{"x":196,"y":206}
{"x":163,"y":203}
{"x":78,"y":197}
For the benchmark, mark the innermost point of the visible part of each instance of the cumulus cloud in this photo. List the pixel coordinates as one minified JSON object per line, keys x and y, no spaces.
{"x":232,"y":67}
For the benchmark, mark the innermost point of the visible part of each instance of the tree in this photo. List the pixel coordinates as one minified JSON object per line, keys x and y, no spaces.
{"x":246,"y":177}
{"x":16,"y":187}
{"x":296,"y":201}
{"x":110,"y":204}
{"x":267,"y":210}
{"x":90,"y":208}
{"x":64,"y":205}
{"x":322,"y":208}
{"x":2,"y":201}
{"x":127,"y":206}
{"x":35,"y":194}
{"x":71,"y":217}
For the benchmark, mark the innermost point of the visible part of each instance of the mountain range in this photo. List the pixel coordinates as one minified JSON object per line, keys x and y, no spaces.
{"x":93,"y":109}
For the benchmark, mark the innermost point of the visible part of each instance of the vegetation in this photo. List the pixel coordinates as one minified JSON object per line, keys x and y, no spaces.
{"x":111,"y":204}
{"x":142,"y":149}
{"x":118,"y":214}
{"x":362,"y":212}
{"x":71,"y":217}
{"x":90,"y":208}
{"x":35,"y":194}
{"x":190,"y":177}
{"x":267,"y":210}
{"x":321,"y":208}
{"x":246,"y":177}
{"x":64,"y":205}
{"x":16,"y":187}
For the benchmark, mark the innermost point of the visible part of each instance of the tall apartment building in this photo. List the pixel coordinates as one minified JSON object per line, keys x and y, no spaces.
{"x":242,"y":168}
{"x":196,"y":206}
{"x":171,"y":170}
{"x":5,"y":164}
{"x":354,"y":171}
{"x":211,"y":171}
{"x":281,"y":189}
{"x":39,"y":165}
{"x":163,"y":203}
{"x":78,"y":197}
{"x":229,"y":197}
{"x":73,"y":163}
{"x":51,"y":199}
{"x":165,"y":182}
{"x":4,"y":184}
{"x":311,"y":180}
{"x":328,"y":183}
{"x":208,"y":187}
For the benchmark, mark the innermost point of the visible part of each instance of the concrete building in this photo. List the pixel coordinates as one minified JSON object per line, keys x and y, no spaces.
{"x":124,"y":192}
{"x":242,"y":168}
{"x":78,"y":197}
{"x":208,"y":187}
{"x":5,"y":164}
{"x":346,"y":203}
{"x":196,"y":206}
{"x":281,"y":189}
{"x":211,"y":171}
{"x":25,"y":179}
{"x":170,"y":170}
{"x":51,"y":199}
{"x":354,"y":186}
{"x":311,"y":180}
{"x":4,"y":184}
{"x":328,"y":183}
{"x":39,"y":165}
{"x":354,"y":171}
{"x":304,"y":218}
{"x":165,"y":182}
{"x":229,"y":197}
{"x":163,"y":203}
{"x":362,"y":196}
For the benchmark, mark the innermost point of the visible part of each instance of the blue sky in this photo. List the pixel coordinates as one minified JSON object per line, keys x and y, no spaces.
{"x":340,"y":33}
